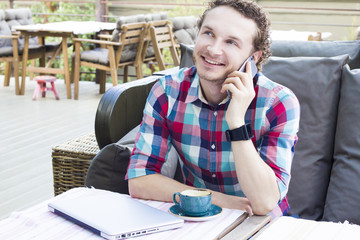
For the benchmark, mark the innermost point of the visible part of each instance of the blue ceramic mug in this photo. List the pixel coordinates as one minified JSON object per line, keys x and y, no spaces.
{"x":194,"y":202}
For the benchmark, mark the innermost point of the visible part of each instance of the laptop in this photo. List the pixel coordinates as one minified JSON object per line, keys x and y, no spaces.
{"x":113,"y":215}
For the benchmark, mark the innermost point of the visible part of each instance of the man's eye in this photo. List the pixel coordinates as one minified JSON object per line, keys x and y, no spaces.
{"x":232,"y":42}
{"x":208,"y":33}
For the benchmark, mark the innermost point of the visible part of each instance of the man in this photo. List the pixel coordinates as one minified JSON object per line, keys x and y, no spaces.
{"x":193,"y":109}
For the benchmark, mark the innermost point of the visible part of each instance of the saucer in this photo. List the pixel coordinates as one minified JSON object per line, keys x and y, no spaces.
{"x":214,"y":212}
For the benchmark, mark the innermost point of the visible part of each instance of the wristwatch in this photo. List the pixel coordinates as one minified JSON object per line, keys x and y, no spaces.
{"x":242,"y":133}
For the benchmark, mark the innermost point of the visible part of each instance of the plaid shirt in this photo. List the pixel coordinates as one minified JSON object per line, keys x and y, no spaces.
{"x":177,"y":114}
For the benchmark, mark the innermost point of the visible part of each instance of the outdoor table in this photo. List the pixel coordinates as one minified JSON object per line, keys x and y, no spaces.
{"x":65,"y":30}
{"x":38,"y":222}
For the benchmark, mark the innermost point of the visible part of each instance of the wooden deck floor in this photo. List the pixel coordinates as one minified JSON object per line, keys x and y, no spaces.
{"x":28,"y":131}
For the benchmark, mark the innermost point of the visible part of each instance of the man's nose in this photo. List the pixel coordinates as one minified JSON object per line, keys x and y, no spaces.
{"x":215,"y":48}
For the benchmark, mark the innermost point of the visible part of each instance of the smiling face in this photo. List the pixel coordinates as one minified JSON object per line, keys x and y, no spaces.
{"x":224,"y":42}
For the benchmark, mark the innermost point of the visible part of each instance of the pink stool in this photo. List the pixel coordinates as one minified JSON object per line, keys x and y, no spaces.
{"x":41,"y":86}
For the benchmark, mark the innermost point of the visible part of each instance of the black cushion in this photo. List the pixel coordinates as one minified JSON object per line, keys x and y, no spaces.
{"x":343,"y":197}
{"x":316,"y":83}
{"x":108,"y":169}
{"x":284,"y":48}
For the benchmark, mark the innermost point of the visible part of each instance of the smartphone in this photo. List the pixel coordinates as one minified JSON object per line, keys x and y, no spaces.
{"x":243,"y":68}
{"x":253,"y":66}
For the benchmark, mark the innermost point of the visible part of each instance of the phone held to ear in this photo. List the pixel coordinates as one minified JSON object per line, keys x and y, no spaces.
{"x":243,"y":68}
{"x":253,"y":66}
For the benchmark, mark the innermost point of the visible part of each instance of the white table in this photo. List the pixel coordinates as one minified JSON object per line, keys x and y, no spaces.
{"x":39,"y":223}
{"x":64,"y":30}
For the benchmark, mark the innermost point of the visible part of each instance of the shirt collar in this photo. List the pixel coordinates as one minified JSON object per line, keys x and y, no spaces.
{"x":203,"y":99}
{"x":193,"y":92}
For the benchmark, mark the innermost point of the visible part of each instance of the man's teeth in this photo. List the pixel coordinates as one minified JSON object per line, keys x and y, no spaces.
{"x":212,"y":62}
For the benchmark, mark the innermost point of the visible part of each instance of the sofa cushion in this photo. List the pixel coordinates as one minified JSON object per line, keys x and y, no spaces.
{"x":101,"y":55}
{"x":108,"y":169}
{"x":343,"y":197}
{"x":156,"y":16}
{"x":316,"y":83}
{"x":4,"y":30}
{"x":125,"y":20}
{"x":8,"y":51}
{"x":20,"y":16}
{"x":185,"y":29}
{"x":135,"y":19}
{"x":186,"y":59}
{"x":283,"y":48}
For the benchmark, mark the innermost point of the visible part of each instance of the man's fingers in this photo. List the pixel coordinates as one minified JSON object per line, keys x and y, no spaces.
{"x":236,"y":81}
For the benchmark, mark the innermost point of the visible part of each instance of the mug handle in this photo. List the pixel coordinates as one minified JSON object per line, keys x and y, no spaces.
{"x":174,"y":198}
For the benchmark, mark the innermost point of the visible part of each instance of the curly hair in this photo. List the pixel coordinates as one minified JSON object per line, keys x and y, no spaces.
{"x":251,"y":10}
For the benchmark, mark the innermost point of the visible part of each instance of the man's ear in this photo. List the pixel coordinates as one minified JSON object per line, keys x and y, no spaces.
{"x":257,"y":55}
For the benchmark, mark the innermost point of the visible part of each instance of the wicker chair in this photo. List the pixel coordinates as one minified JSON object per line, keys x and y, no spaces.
{"x":71,"y":161}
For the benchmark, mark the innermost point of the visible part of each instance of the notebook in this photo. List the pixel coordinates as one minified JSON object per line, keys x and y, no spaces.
{"x":113,"y":215}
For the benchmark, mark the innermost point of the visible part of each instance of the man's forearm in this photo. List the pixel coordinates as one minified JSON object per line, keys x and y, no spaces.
{"x":257,"y":180}
{"x":155,"y":187}
{"x":160,"y":188}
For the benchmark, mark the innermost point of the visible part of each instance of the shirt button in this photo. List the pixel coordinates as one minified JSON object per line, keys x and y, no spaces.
{"x":214,"y":175}
{"x":213,"y":146}
{"x":215,"y":113}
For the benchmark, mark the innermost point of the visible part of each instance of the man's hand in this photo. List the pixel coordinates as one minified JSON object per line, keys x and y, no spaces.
{"x":233,"y":202}
{"x":241,"y":86}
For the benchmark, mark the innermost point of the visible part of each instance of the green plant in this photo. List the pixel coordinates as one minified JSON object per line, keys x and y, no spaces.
{"x":352,"y":31}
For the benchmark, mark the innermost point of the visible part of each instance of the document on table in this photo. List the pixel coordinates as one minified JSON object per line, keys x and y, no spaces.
{"x":293,"y":228}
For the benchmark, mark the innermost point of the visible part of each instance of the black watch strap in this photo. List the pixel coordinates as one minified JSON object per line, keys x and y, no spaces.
{"x":242,"y":133}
